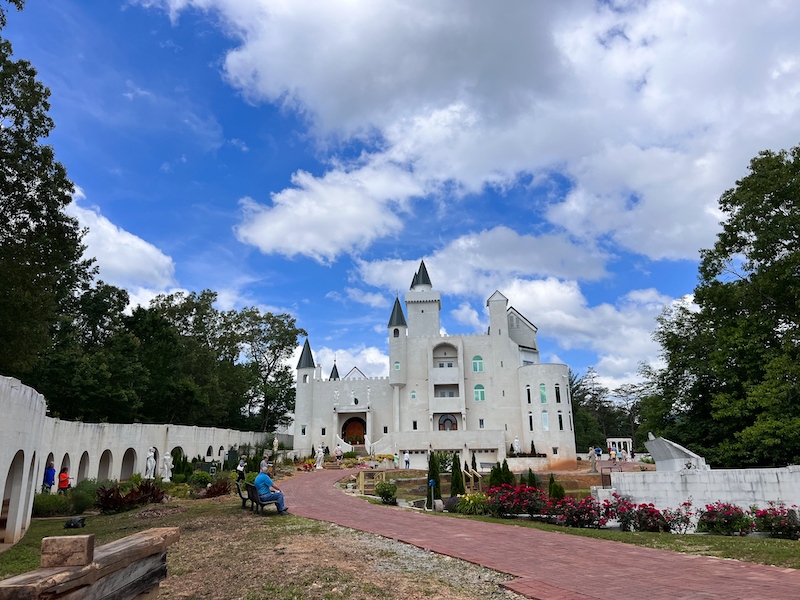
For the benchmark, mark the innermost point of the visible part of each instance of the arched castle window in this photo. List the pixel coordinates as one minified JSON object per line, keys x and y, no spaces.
{"x":396,"y":332}
{"x":528,"y":392}
{"x":543,"y":393}
{"x":413,"y":395}
{"x":480,"y":393}
{"x":530,"y":421}
{"x":560,"y":421}
{"x":305,"y":378}
{"x":477,"y":364}
{"x":448,"y":423}
{"x":545,"y":421}
{"x":397,"y":366}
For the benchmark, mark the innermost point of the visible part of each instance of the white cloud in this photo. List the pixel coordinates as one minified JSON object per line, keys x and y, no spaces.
{"x":651,"y":111}
{"x":371,"y":360}
{"x":469,"y":316}
{"x":321,"y":217}
{"x":124,"y":259}
{"x":375,"y":300}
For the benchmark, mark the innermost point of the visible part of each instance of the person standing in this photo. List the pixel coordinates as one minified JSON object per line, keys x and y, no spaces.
{"x":49,"y":478}
{"x":338,"y":452}
{"x":599,"y":453}
{"x":240,"y":469}
{"x":63,"y":481}
{"x":407,"y":459}
{"x":396,"y":460}
{"x":269,"y":492}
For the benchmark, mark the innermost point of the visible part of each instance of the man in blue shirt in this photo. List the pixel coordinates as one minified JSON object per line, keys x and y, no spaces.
{"x":264,"y":485}
{"x":49,"y":478}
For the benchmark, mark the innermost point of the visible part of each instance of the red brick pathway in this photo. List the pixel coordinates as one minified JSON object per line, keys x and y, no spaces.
{"x":548,"y":566}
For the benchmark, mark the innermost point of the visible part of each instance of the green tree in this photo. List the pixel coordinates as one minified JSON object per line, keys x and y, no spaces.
{"x":587,"y":428}
{"x":456,"y":478}
{"x":433,"y":474}
{"x":41,"y":264}
{"x":730,"y":386}
{"x":268,"y":341}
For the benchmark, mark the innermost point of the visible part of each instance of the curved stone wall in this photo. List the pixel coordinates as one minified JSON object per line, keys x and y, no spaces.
{"x":29,"y":439}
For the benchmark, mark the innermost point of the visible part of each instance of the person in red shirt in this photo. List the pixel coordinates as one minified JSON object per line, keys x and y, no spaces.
{"x":63,"y":481}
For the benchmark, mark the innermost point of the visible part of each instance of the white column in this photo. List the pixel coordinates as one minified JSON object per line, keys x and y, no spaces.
{"x":396,"y":407}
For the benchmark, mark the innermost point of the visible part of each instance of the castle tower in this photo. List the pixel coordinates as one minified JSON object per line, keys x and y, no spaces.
{"x":423,"y":305}
{"x":305,"y":400}
{"x":398,"y":354}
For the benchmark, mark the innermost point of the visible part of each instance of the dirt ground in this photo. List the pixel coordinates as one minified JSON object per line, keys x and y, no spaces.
{"x":231,"y":553}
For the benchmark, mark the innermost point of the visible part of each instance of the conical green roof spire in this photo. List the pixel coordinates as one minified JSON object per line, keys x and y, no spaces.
{"x":306,"y":360}
{"x":334,"y":372}
{"x":422,"y":275}
{"x":397,"y":319}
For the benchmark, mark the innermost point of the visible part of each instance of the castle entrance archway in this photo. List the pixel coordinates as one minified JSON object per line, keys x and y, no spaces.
{"x":353,"y":430}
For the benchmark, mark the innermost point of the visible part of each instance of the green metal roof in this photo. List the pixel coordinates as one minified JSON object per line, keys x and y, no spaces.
{"x":397,"y":319}
{"x":306,"y":360}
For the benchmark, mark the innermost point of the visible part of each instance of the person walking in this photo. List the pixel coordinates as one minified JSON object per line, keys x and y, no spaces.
{"x":63,"y":481}
{"x":599,"y":453}
{"x":396,"y":460}
{"x":240,"y":469}
{"x":49,"y":478}
{"x":407,"y":459}
{"x":269,"y":492}
{"x":338,"y":453}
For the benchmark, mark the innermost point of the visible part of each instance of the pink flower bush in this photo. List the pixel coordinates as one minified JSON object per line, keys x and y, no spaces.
{"x":725,"y":519}
{"x":507,"y":500}
{"x":778,"y":521}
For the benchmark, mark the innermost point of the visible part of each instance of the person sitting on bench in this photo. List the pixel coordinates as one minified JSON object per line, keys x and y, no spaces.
{"x":264,"y":485}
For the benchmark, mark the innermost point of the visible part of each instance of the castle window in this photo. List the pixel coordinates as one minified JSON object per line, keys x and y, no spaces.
{"x":545,"y":421}
{"x":397,"y":366}
{"x":543,"y":393}
{"x":558,"y":394}
{"x":555,"y":451}
{"x":385,"y":429}
{"x":528,"y":392}
{"x":302,"y":429}
{"x":305,"y":378}
{"x":396,"y":333}
{"x":480,"y":393}
{"x":560,"y":421}
{"x":530,"y":421}
{"x":480,"y":423}
{"x":477,"y":364}
{"x":413,"y":395}
{"x":323,"y":431}
{"x":448,"y":423}
{"x":414,"y":425}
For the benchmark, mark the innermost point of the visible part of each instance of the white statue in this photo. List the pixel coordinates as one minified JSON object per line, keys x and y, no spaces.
{"x":150,"y":465}
{"x":592,"y":462}
{"x":516,"y":445}
{"x":320,"y":456}
{"x":166,"y":468}
{"x":275,"y":445}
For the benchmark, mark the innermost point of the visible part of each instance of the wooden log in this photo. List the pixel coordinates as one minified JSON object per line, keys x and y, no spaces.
{"x":53,"y":582}
{"x":67,"y":550}
{"x":128,"y":583}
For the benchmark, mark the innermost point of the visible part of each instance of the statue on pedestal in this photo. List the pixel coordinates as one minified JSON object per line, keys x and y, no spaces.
{"x":150,"y":464}
{"x":166,"y":468}
{"x":275,"y":445}
{"x":320,"y":456}
{"x":592,"y":462}
{"x":516,"y":445}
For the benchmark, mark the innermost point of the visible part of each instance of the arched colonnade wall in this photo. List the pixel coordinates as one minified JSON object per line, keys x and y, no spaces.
{"x":29,"y":438}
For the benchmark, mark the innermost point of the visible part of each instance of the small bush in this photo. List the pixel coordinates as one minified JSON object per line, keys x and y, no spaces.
{"x":353,"y":455}
{"x":725,"y":519}
{"x":181,"y":490}
{"x":250,"y":477}
{"x":50,"y":505}
{"x":557,"y":491}
{"x":115,"y":499}
{"x":81,"y":501}
{"x":136,"y":478}
{"x":778,"y":521}
{"x":200,"y":479}
{"x":221,"y":487}
{"x":179,"y":478}
{"x":584,"y":513}
{"x":386,"y":491}
{"x":472,"y":504}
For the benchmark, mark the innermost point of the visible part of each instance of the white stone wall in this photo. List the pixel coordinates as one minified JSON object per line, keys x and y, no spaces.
{"x":28,"y":438}
{"x":743,"y":487}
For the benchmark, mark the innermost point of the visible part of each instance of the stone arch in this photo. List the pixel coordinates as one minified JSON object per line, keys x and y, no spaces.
{"x":354,"y":427}
{"x":27,"y":507}
{"x":83,"y":468}
{"x":177,"y":453}
{"x":221,"y":452}
{"x":65,"y":462}
{"x":106,"y":465}
{"x":210,"y":452}
{"x":128,"y":464}
{"x":10,"y":508}
{"x":445,"y":353}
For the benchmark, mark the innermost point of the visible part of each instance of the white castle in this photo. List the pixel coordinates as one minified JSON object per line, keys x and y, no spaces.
{"x":465,"y":394}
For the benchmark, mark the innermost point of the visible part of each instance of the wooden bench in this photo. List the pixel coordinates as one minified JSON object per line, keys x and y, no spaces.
{"x":243,"y":496}
{"x":255,"y":501}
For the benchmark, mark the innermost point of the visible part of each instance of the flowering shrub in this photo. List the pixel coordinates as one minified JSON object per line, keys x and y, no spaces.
{"x":583,"y":513}
{"x":725,"y":519}
{"x":507,"y":500}
{"x":679,"y":519}
{"x":648,"y":518}
{"x":778,"y":521}
{"x":472,"y":504}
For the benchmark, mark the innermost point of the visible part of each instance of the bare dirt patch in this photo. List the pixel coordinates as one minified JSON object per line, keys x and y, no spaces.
{"x":236,"y":554}
{"x":157,"y":511}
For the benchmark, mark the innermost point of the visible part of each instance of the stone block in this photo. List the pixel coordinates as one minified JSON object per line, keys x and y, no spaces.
{"x":67,"y":550}
{"x":438,"y":506}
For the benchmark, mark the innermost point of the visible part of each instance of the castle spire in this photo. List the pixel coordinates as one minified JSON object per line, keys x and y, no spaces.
{"x":306,"y":360}
{"x":397,"y":319}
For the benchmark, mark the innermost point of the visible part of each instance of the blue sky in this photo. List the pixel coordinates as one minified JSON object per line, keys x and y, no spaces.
{"x":304,"y":156}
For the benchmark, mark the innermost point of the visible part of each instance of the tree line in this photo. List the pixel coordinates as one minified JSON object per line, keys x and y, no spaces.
{"x":67,"y":334}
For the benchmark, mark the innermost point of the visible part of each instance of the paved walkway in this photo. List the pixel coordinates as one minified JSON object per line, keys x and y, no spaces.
{"x":548,"y":566}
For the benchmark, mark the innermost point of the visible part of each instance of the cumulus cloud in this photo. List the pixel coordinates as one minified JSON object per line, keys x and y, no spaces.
{"x":469,"y":316}
{"x":648,"y":108}
{"x":369,"y":359}
{"x":124,"y":259}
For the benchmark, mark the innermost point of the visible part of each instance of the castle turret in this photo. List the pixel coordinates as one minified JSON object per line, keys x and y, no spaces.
{"x":304,"y":401}
{"x":398,"y":356}
{"x":423,"y":305}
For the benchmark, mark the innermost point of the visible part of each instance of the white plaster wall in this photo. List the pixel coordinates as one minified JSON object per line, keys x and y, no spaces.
{"x":743,"y":487}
